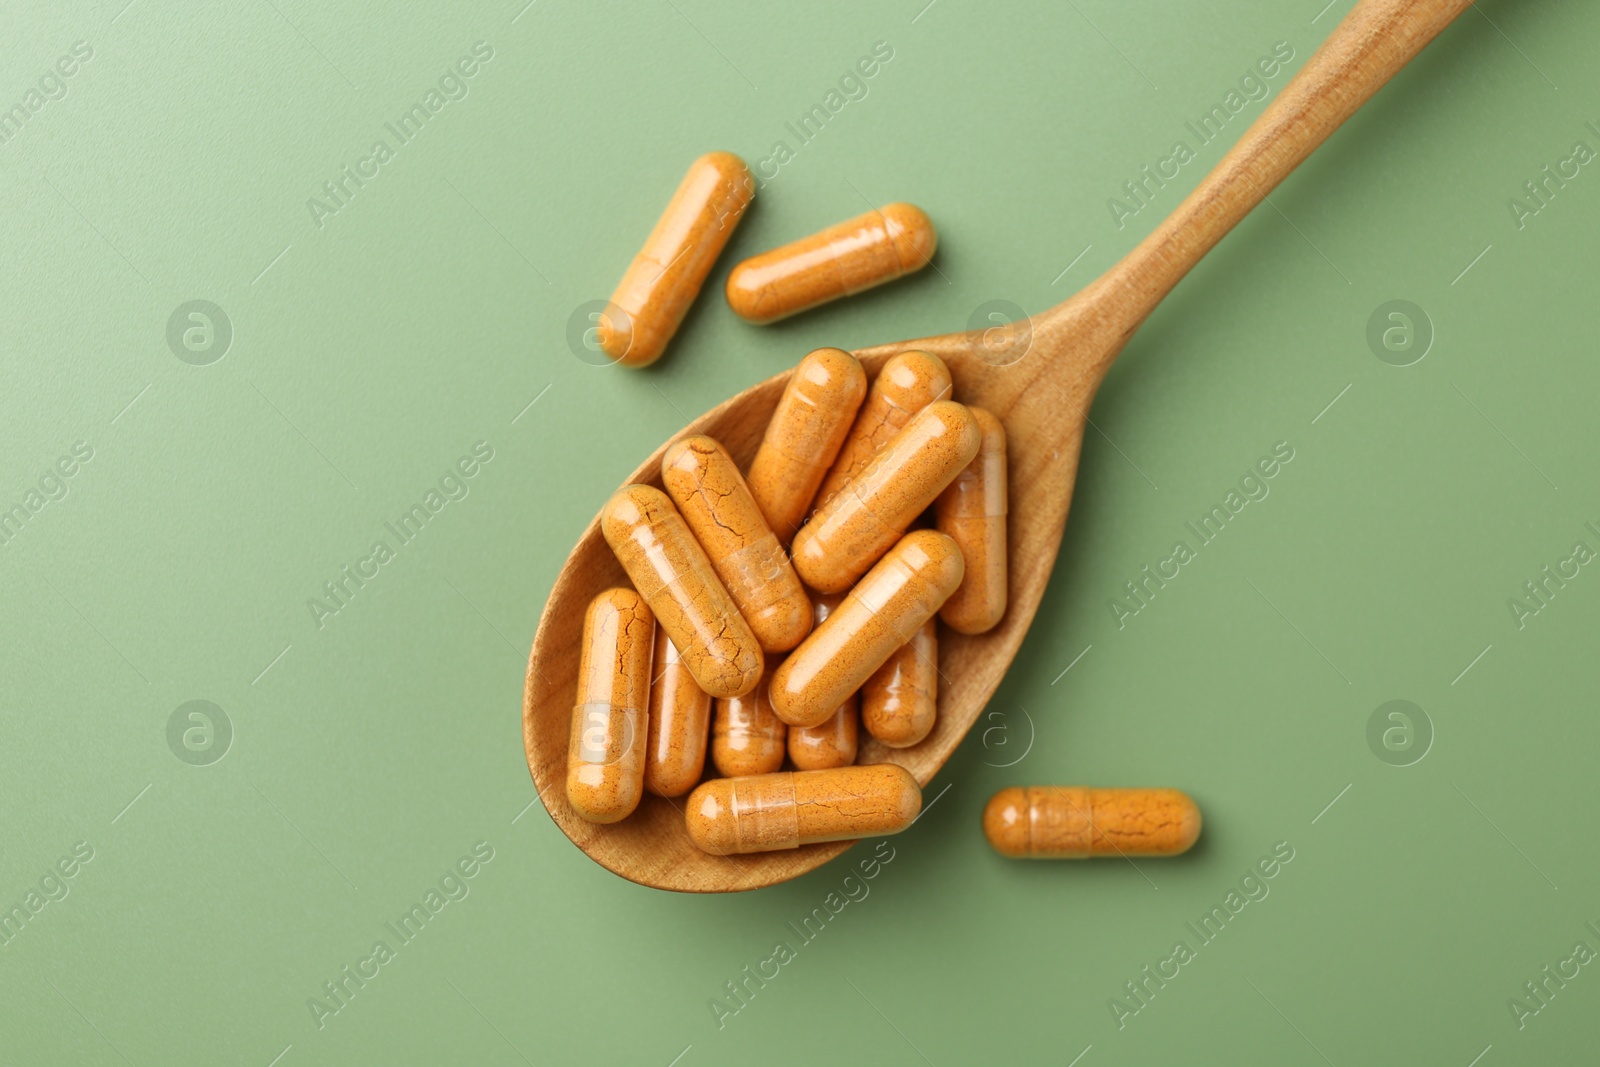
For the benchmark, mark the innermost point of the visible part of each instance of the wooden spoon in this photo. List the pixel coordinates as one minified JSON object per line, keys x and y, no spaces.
{"x":1039,"y":375}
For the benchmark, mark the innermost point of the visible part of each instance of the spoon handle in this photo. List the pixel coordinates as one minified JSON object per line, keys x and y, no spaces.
{"x":1364,"y":51}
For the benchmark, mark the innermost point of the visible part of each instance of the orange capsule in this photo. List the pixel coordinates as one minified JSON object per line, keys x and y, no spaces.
{"x":973,"y":511}
{"x":810,"y":423}
{"x":712,"y":496}
{"x":842,"y":260}
{"x":900,"y":702}
{"x":606,"y":745}
{"x":746,"y":737}
{"x":680,"y":722}
{"x":834,"y":742}
{"x":884,"y":610}
{"x":769,"y":812}
{"x":850,"y":532}
{"x":907,"y":383}
{"x":1075,"y":822}
{"x":666,"y":275}
{"x":671,"y":571}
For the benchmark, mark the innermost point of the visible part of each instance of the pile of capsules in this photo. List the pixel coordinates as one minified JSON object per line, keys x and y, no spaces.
{"x":719,"y":597}
{"x":778,"y":611}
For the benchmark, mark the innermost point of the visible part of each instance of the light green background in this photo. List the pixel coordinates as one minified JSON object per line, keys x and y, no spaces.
{"x":371,"y":753}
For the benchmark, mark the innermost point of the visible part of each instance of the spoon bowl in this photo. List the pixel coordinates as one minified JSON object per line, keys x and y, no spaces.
{"x":1039,"y":375}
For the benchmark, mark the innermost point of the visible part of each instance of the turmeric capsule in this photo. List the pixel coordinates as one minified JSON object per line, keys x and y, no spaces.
{"x":746,"y":737}
{"x":973,"y":511}
{"x":671,"y":571}
{"x":680,"y":720}
{"x":842,"y":260}
{"x":810,"y":423}
{"x":850,"y":532}
{"x":907,"y":383}
{"x":606,"y":746}
{"x":1075,"y":822}
{"x":712,"y":496}
{"x":884,"y":610}
{"x":666,"y":275}
{"x":901,"y":700}
{"x":834,"y":742}
{"x":768,"y":812}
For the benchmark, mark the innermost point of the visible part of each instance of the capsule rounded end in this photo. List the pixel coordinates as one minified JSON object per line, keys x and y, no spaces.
{"x":602,"y":802}
{"x":915,"y":239}
{"x":1005,"y":823}
{"x":816,"y":568}
{"x":1189,"y":821}
{"x":685,"y":456}
{"x":708,"y":816}
{"x":991,"y":429}
{"x":834,"y":744}
{"x":782,"y":626}
{"x":906,"y":732}
{"x":941,"y":556}
{"x":730,"y":678}
{"x":833,"y":375}
{"x":627,"y":508}
{"x":614,"y":601}
{"x":972,"y":617}
{"x":789,"y":702}
{"x":907,"y":795}
{"x":664,"y":782}
{"x":963,"y":426}
{"x":746,"y":292}
{"x":732,"y":169}
{"x":913,"y":380}
{"x":615,"y":334}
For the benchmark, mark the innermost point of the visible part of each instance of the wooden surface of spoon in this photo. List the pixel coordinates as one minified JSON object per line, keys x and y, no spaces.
{"x":1040,"y":376}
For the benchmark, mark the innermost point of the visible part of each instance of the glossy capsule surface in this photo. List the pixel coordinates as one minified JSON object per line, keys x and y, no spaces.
{"x":1080,"y":822}
{"x":834,"y":741}
{"x":881,"y":613}
{"x":670,"y":570}
{"x":803,"y":439}
{"x":842,"y":260}
{"x":665,"y":277}
{"x":850,"y":531}
{"x":715,"y":501}
{"x":680,"y":724}
{"x":972,"y":510}
{"x":747,"y":737}
{"x":900,"y":702}
{"x":606,"y":746}
{"x":793,"y":808}
{"x":905,"y":385}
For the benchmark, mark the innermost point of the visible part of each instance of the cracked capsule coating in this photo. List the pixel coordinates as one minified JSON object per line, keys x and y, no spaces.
{"x":712,"y":496}
{"x":680,"y":721}
{"x":671,"y":571}
{"x":807,"y":429}
{"x":747,"y":737}
{"x":850,"y":532}
{"x":665,"y":277}
{"x":900,"y":702}
{"x":769,"y":812}
{"x":884,"y":610}
{"x":606,"y":745}
{"x":842,"y":260}
{"x":907,"y":383}
{"x":833,"y":743}
{"x":972,"y":510}
{"x":1078,"y":822}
